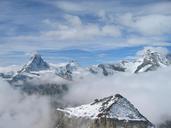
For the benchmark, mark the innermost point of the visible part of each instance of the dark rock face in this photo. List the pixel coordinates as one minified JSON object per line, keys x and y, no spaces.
{"x":36,"y":63}
{"x":76,"y":122}
{"x":110,"y":112}
{"x":153,"y":60}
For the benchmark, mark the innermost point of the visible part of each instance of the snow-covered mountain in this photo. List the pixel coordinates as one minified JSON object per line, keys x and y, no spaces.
{"x":116,"y":108}
{"x":36,"y":63}
{"x":67,"y":70}
{"x":37,"y":69}
{"x":149,"y":60}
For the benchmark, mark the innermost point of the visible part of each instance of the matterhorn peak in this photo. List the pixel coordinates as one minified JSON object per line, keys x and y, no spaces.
{"x":36,"y":63}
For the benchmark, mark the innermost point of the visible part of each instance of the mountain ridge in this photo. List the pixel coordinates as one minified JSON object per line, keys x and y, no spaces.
{"x":150,"y":60}
{"x":113,"y":109}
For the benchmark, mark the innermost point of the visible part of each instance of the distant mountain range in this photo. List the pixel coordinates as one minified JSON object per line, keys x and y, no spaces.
{"x":37,"y":69}
{"x":39,"y":76}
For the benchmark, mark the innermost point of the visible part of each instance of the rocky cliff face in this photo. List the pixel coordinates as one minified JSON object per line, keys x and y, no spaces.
{"x":36,"y":63}
{"x":110,"y":112}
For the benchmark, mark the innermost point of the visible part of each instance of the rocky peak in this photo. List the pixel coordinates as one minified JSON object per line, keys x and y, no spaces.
{"x":114,"y":107}
{"x":36,"y":63}
{"x":150,"y":60}
{"x":154,"y":57}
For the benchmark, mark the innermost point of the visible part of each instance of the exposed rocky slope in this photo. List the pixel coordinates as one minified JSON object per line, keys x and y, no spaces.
{"x":36,"y":63}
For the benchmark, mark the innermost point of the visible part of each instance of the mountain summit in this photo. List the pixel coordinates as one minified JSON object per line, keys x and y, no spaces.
{"x":36,"y":63}
{"x":151,"y":60}
{"x":115,"y":107}
{"x":114,"y":110}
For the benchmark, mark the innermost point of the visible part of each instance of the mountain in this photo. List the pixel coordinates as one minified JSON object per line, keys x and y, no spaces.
{"x":39,"y":70}
{"x":30,"y":70}
{"x":68,"y":69}
{"x":114,"y":108}
{"x":37,"y":76}
{"x":149,"y":60}
{"x":107,"y":69}
{"x":36,"y":63}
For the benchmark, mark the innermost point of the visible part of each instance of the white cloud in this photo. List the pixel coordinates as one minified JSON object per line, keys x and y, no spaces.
{"x":19,"y":110}
{"x":74,"y":29}
{"x":154,"y":24}
{"x":73,"y":20}
{"x":91,"y":24}
{"x":69,"y":6}
{"x":149,"y":91}
{"x":147,"y":24}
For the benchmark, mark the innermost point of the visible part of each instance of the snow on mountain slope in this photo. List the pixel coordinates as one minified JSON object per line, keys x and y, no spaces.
{"x":36,"y":63}
{"x":68,"y":69}
{"x":9,"y":71}
{"x":114,"y":107}
{"x":148,"y":60}
{"x":106,"y":69}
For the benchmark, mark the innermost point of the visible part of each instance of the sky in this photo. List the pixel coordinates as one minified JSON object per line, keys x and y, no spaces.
{"x":90,"y":31}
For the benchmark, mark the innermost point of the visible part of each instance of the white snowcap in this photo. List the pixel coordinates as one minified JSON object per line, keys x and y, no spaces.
{"x":36,"y":63}
{"x":113,"y":107}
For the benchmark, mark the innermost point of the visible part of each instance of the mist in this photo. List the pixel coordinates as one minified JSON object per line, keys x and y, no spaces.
{"x":20,"y":110}
{"x":149,"y":91}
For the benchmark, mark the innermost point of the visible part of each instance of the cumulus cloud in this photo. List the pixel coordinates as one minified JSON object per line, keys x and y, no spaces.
{"x":149,"y":92}
{"x":84,"y":24}
{"x":20,"y":110}
{"x":153,"y":24}
{"x":74,"y":29}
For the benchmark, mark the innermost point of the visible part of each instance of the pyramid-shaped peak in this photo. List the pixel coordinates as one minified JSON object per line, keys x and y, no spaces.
{"x":113,"y":107}
{"x":36,"y":63}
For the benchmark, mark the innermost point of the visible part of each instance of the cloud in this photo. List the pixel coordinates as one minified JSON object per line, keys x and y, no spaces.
{"x":69,"y":6}
{"x":154,"y":24}
{"x":74,"y":29}
{"x":83,"y":24}
{"x":20,"y":110}
{"x":151,"y":25}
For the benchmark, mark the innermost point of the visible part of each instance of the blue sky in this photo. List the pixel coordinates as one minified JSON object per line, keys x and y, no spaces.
{"x":90,"y":31}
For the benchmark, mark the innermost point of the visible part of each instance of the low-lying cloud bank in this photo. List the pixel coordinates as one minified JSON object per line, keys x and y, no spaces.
{"x":20,"y":110}
{"x":149,"y":92}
